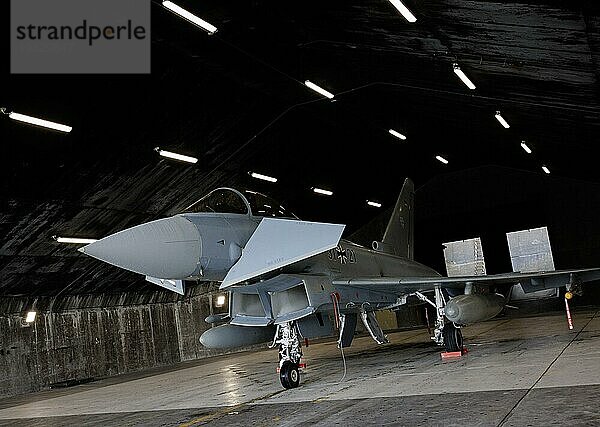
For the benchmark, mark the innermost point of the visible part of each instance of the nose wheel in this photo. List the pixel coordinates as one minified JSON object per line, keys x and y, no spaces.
{"x":289,"y":375}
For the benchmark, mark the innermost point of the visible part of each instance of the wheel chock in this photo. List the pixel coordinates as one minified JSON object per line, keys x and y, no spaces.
{"x":446,"y":355}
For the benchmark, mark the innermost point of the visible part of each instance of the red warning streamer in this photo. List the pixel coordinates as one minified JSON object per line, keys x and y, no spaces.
{"x":569,"y":320}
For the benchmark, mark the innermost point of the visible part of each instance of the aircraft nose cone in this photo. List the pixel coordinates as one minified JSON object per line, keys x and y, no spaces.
{"x":167,"y":248}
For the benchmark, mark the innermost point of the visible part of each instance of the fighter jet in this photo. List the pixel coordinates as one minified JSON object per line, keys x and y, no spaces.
{"x":286,"y":277}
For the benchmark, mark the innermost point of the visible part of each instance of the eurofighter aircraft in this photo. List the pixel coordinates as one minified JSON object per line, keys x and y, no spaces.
{"x":286,"y":277}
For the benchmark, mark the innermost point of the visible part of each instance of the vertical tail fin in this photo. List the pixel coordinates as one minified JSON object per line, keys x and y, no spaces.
{"x":398,"y":238}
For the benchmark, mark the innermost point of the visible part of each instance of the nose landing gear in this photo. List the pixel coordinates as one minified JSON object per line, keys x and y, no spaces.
{"x":290,"y":353}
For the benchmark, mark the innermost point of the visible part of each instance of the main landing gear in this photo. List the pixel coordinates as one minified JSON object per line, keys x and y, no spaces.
{"x":452,"y":336}
{"x":287,"y":337}
{"x":446,"y":333}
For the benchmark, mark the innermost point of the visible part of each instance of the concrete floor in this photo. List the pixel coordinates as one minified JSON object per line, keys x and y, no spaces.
{"x":519,"y":371}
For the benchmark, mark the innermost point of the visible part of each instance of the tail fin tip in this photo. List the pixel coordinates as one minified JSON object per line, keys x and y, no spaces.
{"x":399,"y":233}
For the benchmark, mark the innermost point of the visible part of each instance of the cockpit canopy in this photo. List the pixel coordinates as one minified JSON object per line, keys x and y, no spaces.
{"x":228,"y":200}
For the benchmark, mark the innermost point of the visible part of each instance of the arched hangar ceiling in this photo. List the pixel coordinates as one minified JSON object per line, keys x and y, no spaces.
{"x":236,"y":101}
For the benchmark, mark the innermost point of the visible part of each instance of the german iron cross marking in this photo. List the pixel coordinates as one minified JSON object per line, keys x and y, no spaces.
{"x":342,"y":254}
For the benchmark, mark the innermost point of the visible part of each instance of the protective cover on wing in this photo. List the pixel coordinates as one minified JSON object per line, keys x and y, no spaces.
{"x":531,"y":281}
{"x":279,"y":242}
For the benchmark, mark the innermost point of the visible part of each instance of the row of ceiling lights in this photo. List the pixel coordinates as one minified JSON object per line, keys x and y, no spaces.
{"x":181,"y":157}
{"x":463,"y":77}
{"x":314,"y":189}
{"x":175,"y":156}
{"x":407,"y":14}
{"x":193,"y":160}
{"x":211,"y":29}
{"x":164,"y":153}
{"x":524,"y":145}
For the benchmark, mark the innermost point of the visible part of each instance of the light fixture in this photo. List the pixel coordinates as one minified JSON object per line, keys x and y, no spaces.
{"x":374,"y":204}
{"x":37,"y":122}
{"x":545,"y":169}
{"x":175,"y":156}
{"x":397,"y":134}
{"x":461,"y":75}
{"x":441,"y":159}
{"x":74,"y":240}
{"x":525,"y":147}
{"x":501,"y":120}
{"x":403,"y":10}
{"x":220,"y":301}
{"x":263,"y":177}
{"x":178,"y":10}
{"x":318,"y":89}
{"x":321,"y":191}
{"x":30,"y":318}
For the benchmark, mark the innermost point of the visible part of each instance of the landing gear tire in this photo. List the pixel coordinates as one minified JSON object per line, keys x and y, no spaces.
{"x":289,"y":375}
{"x":453,"y":339}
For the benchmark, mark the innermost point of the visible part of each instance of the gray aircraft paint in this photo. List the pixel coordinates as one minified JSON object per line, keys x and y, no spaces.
{"x":223,"y":237}
{"x":467,"y":309}
{"x":167,"y":248}
{"x":206,"y":245}
{"x":227,"y":336}
{"x":268,"y":249}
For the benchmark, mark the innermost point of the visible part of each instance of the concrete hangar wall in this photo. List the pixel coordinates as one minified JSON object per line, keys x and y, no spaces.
{"x":86,"y":337}
{"x":81,"y":338}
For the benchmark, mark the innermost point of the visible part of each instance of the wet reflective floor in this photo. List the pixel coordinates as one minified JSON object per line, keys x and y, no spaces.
{"x":518,"y":371}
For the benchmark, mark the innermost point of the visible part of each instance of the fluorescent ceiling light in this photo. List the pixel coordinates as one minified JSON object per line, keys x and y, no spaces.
{"x":403,"y":10}
{"x":321,"y":191}
{"x":441,"y":159}
{"x":30,"y":316}
{"x":374,"y":204}
{"x":501,"y":120}
{"x":526,"y":147}
{"x":75,"y":240}
{"x":461,"y":75}
{"x":263,"y":177}
{"x":318,"y":89}
{"x":211,"y":29}
{"x":220,"y":301}
{"x":545,"y":169}
{"x":40,"y":122}
{"x":397,"y":134}
{"x":175,"y":156}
